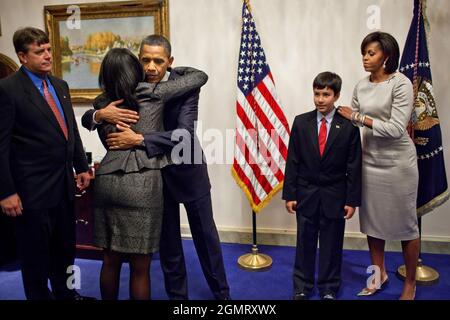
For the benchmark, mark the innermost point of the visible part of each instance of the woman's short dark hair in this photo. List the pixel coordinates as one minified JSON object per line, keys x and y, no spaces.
{"x":120,"y":73}
{"x":388,"y":45}
{"x":23,"y":37}
{"x":328,"y":80}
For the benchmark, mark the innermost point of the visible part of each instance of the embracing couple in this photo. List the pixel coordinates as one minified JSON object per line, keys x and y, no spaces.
{"x":138,"y":187}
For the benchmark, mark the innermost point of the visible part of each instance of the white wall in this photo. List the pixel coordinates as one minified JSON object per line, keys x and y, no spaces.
{"x":301,"y":38}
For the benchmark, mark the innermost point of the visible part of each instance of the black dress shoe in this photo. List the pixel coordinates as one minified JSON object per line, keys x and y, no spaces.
{"x":225,"y":298}
{"x":328,"y":296}
{"x":79,"y":297}
{"x":301,"y":296}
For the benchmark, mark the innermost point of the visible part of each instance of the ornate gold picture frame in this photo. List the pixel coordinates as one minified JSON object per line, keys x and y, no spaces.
{"x":7,"y":66}
{"x":82,"y":34}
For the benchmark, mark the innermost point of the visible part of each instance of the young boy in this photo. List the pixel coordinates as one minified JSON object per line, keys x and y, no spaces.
{"x":323,"y":187}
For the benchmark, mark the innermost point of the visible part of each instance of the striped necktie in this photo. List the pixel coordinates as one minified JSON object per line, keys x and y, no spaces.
{"x":51,"y":102}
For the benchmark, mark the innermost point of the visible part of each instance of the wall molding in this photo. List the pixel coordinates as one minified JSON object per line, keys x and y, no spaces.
{"x":352,"y":240}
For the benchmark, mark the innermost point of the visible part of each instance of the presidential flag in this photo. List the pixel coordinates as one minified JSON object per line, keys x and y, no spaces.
{"x":262,"y":131}
{"x":415,"y":64}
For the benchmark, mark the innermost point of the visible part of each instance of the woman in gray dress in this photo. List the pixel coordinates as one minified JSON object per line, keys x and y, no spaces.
{"x":128,"y":185}
{"x":382,"y":104}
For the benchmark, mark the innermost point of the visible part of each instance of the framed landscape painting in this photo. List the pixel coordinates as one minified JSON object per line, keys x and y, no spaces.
{"x":82,"y":34}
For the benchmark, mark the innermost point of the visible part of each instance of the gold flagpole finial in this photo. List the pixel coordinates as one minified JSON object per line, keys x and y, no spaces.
{"x":247,"y":3}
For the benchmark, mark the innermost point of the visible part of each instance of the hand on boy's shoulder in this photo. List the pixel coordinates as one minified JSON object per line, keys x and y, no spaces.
{"x":345,"y":112}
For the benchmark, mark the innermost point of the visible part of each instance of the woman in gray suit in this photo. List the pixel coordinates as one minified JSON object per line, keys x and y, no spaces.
{"x":128,"y":185}
{"x":382,"y":105}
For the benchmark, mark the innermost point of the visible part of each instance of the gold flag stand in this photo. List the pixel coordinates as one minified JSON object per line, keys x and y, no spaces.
{"x":255,"y":261}
{"x":425,"y":276}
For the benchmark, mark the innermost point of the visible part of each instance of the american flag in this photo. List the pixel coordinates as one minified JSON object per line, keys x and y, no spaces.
{"x":262,"y":131}
{"x":415,"y":64}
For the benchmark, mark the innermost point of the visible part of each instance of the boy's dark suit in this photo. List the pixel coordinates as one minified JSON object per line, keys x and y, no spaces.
{"x":322,"y":186}
{"x":36,"y":162}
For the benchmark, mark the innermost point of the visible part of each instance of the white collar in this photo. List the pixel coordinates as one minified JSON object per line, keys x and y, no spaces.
{"x":328,"y":117}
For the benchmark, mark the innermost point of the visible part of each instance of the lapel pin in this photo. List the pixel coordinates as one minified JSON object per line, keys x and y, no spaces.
{"x":338,"y":126}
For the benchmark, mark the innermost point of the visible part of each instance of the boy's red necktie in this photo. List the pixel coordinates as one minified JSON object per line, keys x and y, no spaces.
{"x":322,"y":136}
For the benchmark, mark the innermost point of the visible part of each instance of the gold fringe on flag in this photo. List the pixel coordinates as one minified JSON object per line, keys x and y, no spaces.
{"x":265,"y":202}
{"x":247,"y":3}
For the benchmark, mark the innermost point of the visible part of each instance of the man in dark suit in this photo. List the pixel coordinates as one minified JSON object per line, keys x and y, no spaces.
{"x":323,"y":187}
{"x":186,"y":183}
{"x":39,"y":148}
